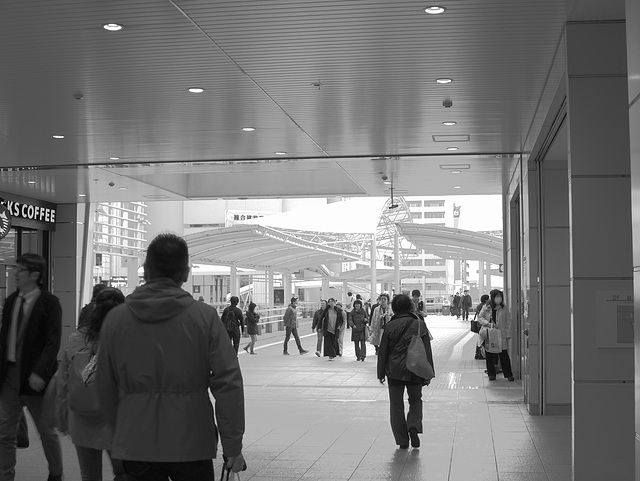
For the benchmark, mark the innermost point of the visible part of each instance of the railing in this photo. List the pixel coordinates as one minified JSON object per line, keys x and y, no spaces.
{"x":271,"y":317}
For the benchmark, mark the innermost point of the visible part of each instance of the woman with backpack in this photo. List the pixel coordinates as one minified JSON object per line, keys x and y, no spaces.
{"x":89,"y":431}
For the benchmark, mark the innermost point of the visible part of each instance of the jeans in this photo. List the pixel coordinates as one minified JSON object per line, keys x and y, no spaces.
{"x":10,"y":407}
{"x":90,"y":461}
{"x":294,"y":331}
{"x":340,"y":337}
{"x":399,"y":425}
{"x":235,"y":338}
{"x":155,"y":471}
{"x":465,"y":313}
{"x":252,"y":342}
{"x":492,"y":359}
{"x":319,"y":343}
{"x":361,"y":348}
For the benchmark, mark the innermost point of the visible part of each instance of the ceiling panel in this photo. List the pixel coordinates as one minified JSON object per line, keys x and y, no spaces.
{"x":337,"y":85}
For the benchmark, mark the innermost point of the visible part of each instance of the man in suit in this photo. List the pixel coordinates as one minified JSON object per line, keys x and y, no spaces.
{"x":29,"y":344}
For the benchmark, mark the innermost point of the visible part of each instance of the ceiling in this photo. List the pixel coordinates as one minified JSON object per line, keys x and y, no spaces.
{"x":345,"y":89}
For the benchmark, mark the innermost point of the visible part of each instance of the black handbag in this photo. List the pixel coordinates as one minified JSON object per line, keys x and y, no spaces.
{"x":475,"y":325}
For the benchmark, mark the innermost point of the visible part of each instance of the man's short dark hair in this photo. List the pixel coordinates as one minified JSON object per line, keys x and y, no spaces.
{"x":33,"y":262}
{"x":401,"y":303}
{"x":415,"y":293}
{"x":167,"y":256}
{"x":234,"y":300}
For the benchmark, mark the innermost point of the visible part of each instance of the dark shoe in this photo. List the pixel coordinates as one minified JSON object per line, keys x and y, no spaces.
{"x":331,"y":358}
{"x":403,"y":446}
{"x":492,"y":378}
{"x":415,"y":440}
{"x":362,"y":359}
{"x":285,"y":353}
{"x":54,"y":478}
{"x":303,"y":352}
{"x":246,"y":348}
{"x":511,"y":378}
{"x":340,"y":355}
{"x":253,"y":353}
{"x":318,"y":353}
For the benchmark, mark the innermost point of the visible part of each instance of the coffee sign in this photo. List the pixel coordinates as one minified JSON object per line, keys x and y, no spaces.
{"x":30,"y":213}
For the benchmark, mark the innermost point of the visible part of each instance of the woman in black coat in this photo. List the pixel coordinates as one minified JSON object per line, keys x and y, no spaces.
{"x":392,"y":363}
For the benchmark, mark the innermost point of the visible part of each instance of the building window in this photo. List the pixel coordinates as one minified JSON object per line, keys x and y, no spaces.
{"x":434,"y":215}
{"x":414,"y":203}
{"x":434,"y":203}
{"x":416,"y":215}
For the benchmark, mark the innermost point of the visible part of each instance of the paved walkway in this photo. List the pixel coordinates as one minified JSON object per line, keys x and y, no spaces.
{"x":312,"y":419}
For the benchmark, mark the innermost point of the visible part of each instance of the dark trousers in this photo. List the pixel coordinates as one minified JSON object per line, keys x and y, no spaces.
{"x":184,"y":471}
{"x":361,"y":348}
{"x":287,"y":336}
{"x":399,"y":424}
{"x":465,"y":313}
{"x":330,"y":344}
{"x":492,"y":360}
{"x":235,"y":338}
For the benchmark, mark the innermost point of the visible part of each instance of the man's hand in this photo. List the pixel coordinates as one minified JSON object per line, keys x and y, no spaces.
{"x":36,"y":382}
{"x":382,"y":381}
{"x":236,"y":463}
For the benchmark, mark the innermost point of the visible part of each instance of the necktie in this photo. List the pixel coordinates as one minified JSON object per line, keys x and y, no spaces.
{"x":20,"y":314}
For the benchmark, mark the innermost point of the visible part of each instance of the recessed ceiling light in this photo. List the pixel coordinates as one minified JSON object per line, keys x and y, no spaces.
{"x":122,"y":188}
{"x":82,"y":195}
{"x":280,"y":153}
{"x":452,"y":148}
{"x":248,"y":129}
{"x":388,"y":182}
{"x":196,"y":90}
{"x":455,"y":171}
{"x":435,"y":10}
{"x":113,"y":27}
{"x":444,"y":80}
{"x":114,"y":158}
{"x":451,"y":122}
{"x":58,"y":136}
{"x":457,"y":187}
{"x":31,"y":182}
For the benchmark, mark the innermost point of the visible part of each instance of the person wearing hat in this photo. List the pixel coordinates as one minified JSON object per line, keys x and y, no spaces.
{"x":291,"y":326}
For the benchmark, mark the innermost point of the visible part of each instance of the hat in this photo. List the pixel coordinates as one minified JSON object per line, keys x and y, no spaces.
{"x":294,"y":299}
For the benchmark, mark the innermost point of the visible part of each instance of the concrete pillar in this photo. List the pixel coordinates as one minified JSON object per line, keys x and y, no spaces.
{"x":344,"y":292}
{"x":325,"y":288}
{"x":601,"y":251}
{"x":233,"y":281}
{"x":396,"y":263}
{"x":481,"y":282}
{"x":374,"y":265}
{"x":488,"y":281}
{"x":286,"y":284}
{"x":633,"y":64}
{"x":66,"y":263}
{"x":270,"y":298}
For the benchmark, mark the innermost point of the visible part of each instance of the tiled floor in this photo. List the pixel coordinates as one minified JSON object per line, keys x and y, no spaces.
{"x":312,"y":419}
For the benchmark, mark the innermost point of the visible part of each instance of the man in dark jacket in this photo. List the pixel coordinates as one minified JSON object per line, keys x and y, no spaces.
{"x":233,"y":320}
{"x":290,"y":320}
{"x":29,"y":344}
{"x":392,"y":363}
{"x":467,"y":304}
{"x":161,"y":352}
{"x":317,"y":325}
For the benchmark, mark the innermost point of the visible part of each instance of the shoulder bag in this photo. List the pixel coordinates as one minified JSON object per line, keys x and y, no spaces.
{"x":417,"y":361}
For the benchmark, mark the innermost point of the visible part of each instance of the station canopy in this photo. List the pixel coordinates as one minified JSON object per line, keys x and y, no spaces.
{"x":453,"y":243}
{"x":264,"y":248}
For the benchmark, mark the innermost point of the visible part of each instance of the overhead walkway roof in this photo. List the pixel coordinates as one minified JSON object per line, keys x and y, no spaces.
{"x":452,"y":243}
{"x":257,"y":247}
{"x":382,"y":275}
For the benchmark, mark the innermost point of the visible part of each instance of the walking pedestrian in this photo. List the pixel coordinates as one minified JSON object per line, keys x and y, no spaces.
{"x":466,"y":304}
{"x":233,"y":320}
{"x":161,"y":352}
{"x":291,"y":327}
{"x":358,"y":323}
{"x":29,"y":344}
{"x":90,"y":432}
{"x":392,"y":364}
{"x":252,"y":328}
{"x":381,"y":315}
{"x":497,"y":314}
{"x":317,"y":325}
{"x":331,"y":322}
